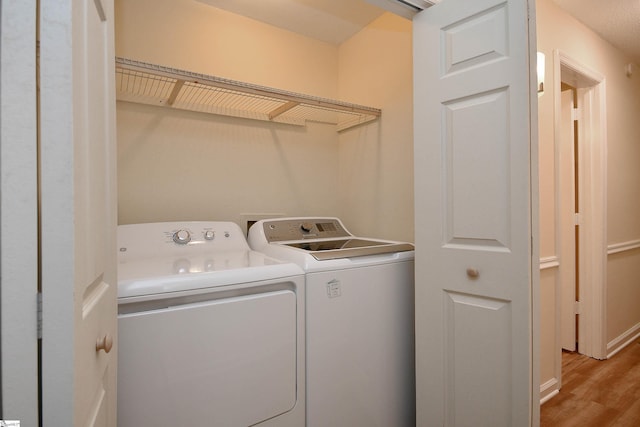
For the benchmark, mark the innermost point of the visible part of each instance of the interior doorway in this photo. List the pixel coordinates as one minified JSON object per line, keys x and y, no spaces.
{"x":581,"y":200}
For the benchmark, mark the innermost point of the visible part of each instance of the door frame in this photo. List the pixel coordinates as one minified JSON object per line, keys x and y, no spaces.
{"x":592,"y":134}
{"x":19,"y":219}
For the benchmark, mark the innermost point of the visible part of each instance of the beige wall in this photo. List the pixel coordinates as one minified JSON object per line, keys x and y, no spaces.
{"x":194,"y":36}
{"x":376,"y":162}
{"x":176,"y":165}
{"x":558,"y":30}
{"x":548,"y":318}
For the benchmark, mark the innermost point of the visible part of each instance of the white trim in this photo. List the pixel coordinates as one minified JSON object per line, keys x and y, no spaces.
{"x":623,"y":340}
{"x":418,"y":4}
{"x":549,"y":262}
{"x":622,"y":247}
{"x":534,"y":224}
{"x":549,"y":389}
{"x":404,"y":8}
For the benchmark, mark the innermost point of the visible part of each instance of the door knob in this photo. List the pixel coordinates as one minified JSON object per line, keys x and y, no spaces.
{"x":473,"y":273}
{"x":105,"y":343}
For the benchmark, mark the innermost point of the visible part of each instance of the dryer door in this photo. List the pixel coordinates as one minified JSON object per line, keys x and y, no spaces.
{"x":228,"y":362}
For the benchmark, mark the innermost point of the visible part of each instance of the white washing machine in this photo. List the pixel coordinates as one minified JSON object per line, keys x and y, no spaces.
{"x":360,"y":320}
{"x":210,"y":333}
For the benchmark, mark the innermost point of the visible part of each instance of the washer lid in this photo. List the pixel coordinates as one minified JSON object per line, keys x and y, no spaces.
{"x":347,"y":248}
{"x":160,"y":275}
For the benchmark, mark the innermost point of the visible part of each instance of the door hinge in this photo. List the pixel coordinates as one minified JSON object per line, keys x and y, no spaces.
{"x":576,"y":307}
{"x":575,"y":114}
{"x":39,"y":314}
{"x":577,"y":218}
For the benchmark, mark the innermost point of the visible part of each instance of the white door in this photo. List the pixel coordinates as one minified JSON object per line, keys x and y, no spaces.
{"x":78,"y":212}
{"x":567,"y":223}
{"x":476,"y":202}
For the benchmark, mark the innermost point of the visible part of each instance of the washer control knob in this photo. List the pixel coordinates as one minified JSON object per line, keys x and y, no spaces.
{"x":306,"y":227}
{"x":209,"y":235}
{"x":182,"y":237}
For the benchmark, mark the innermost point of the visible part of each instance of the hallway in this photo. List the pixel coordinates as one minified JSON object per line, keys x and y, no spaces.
{"x":597,"y":393}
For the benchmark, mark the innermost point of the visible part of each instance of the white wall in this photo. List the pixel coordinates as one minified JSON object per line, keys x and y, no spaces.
{"x":176,"y":165}
{"x":558,"y":30}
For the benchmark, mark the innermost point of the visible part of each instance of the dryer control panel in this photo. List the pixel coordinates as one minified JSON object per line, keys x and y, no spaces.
{"x":178,"y":238}
{"x":281,"y":230}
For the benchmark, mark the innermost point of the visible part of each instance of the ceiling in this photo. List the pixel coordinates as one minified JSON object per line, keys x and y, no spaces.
{"x":334,"y":21}
{"x":331,"y":21}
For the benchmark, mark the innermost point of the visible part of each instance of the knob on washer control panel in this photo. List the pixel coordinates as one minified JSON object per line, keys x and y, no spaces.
{"x":209,"y":235}
{"x":306,"y":226}
{"x":182,"y":237}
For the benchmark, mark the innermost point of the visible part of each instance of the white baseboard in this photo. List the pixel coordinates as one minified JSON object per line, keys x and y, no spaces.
{"x":623,"y":340}
{"x":549,"y":389}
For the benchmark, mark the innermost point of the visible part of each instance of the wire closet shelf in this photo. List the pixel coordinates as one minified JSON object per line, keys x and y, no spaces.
{"x":152,"y":84}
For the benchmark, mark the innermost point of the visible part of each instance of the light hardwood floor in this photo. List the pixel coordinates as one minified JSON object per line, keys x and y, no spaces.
{"x":597,"y":393}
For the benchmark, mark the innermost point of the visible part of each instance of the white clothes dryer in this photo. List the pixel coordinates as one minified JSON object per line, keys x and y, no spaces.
{"x":360,"y":320}
{"x":210,"y":333}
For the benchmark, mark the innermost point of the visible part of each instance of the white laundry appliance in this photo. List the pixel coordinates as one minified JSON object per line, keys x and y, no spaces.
{"x":360,"y":320}
{"x":210,"y":332}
